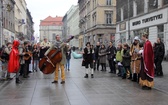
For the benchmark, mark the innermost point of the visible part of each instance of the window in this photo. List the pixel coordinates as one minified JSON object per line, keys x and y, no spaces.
{"x":140,"y":6}
{"x":161,"y":32}
{"x":108,"y":17}
{"x":54,"y":35}
{"x":165,"y":2}
{"x":140,"y":32}
{"x":153,"y":4}
{"x":108,"y":2}
{"x":123,"y":37}
{"x":94,"y":19}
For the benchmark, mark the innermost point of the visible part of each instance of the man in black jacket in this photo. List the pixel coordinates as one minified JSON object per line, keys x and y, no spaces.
{"x":159,"y":55}
{"x":111,"y":53}
{"x":97,"y":56}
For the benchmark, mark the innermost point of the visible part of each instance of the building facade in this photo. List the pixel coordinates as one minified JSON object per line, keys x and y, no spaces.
{"x":1,"y":21}
{"x":20,"y":18}
{"x":30,"y":28}
{"x":64,"y":29}
{"x":8,"y":18}
{"x":97,"y":20}
{"x":50,"y":27}
{"x":134,"y":17}
{"x":73,"y":24}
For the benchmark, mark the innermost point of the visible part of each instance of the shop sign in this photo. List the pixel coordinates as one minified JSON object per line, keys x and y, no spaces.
{"x":150,"y":19}
{"x":146,"y":20}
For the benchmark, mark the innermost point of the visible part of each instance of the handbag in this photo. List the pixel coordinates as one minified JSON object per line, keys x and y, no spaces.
{"x":83,"y":63}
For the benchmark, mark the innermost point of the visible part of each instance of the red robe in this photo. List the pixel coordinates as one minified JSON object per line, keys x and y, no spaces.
{"x":13,"y":65}
{"x":148,"y":57}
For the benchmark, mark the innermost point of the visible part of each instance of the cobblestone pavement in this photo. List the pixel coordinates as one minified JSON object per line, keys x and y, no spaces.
{"x":104,"y":89}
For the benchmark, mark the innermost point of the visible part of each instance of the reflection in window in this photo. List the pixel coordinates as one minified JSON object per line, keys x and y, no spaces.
{"x":153,"y":4}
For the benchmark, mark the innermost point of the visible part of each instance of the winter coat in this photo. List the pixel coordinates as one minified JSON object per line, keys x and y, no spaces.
{"x":102,"y":55}
{"x":88,"y":55}
{"x":126,"y":58}
{"x":111,"y":52}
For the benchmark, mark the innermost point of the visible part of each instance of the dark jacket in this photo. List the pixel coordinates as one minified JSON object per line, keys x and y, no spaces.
{"x":88,"y":55}
{"x":36,"y":54}
{"x":159,"y":51}
{"x":126,"y":58}
{"x":111,"y":52}
{"x":68,"y":54}
{"x":97,"y":48}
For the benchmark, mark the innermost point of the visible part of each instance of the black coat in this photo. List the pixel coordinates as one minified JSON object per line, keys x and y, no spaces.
{"x":159,"y":51}
{"x":111,"y":52}
{"x":68,"y":54}
{"x":88,"y":55}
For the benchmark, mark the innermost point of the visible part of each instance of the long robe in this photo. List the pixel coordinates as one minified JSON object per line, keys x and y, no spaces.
{"x":13,"y":65}
{"x":147,"y":66}
{"x":135,"y":62}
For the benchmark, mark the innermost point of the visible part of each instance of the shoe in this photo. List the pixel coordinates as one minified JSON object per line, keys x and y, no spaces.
{"x":86,"y":76}
{"x":54,"y":82}
{"x":25,"y":76}
{"x":62,"y":82}
{"x":9,"y":78}
{"x":146,"y":88}
{"x":92,"y":76}
{"x":110,"y":72}
{"x":68,"y":69}
{"x":18,"y":81}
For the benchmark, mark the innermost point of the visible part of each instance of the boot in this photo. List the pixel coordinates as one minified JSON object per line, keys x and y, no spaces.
{"x":18,"y":81}
{"x":124,"y":76}
{"x":92,"y":76}
{"x":86,"y":76}
{"x":130,"y":77}
{"x":134,"y":77}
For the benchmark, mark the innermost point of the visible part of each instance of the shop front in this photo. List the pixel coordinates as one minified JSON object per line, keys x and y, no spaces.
{"x":154,"y":23}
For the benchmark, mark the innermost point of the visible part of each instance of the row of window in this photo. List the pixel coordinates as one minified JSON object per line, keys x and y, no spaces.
{"x":160,"y":33}
{"x":8,"y":25}
{"x":136,"y":7}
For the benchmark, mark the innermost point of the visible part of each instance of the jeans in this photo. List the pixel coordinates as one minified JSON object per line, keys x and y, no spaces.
{"x":67,"y":63}
{"x":35,"y":65}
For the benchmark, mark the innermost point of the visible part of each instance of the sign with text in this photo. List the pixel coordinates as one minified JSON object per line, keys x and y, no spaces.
{"x":154,"y":18}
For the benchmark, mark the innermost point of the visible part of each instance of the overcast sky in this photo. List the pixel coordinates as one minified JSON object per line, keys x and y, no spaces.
{"x":40,"y":9}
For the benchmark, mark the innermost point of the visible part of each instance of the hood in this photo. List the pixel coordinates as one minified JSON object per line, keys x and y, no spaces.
{"x":16,"y":43}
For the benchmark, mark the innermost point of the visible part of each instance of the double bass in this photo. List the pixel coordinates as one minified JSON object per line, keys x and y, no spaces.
{"x":48,"y":63}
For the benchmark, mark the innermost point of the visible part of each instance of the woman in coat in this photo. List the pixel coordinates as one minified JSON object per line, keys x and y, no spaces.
{"x":102,"y":57}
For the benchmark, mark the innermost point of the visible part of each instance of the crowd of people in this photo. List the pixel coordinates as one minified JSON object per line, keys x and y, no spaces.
{"x":28,"y":57}
{"x":140,"y":62}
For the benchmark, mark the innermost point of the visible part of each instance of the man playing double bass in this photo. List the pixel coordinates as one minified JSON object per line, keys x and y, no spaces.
{"x":62,"y":46}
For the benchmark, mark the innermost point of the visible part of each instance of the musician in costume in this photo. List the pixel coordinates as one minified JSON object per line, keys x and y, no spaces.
{"x":135,"y":62}
{"x":13,"y":65}
{"x":147,"y":65}
{"x":61,"y":46}
{"x":89,"y":59}
{"x":44,"y":46}
{"x":22,"y":61}
{"x":27,"y":60}
{"x":5,"y":58}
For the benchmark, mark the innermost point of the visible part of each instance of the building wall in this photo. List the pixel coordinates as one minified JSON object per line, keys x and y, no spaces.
{"x":29,"y":25}
{"x":20,"y":14}
{"x":1,"y":34}
{"x":153,"y":21}
{"x":97,"y":29}
{"x":8,"y":21}
{"x":73,"y":24}
{"x":50,"y":32}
